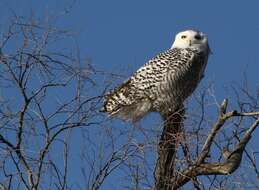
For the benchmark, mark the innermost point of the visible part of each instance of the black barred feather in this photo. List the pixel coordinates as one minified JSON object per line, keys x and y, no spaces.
{"x":163,"y":83}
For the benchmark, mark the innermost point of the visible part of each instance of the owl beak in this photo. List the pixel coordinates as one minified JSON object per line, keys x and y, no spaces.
{"x":190,"y":42}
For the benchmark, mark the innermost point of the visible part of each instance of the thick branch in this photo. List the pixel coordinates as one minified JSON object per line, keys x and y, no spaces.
{"x":165,"y":165}
{"x":220,"y":122}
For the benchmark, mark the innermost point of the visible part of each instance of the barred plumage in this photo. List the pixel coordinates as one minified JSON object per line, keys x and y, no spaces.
{"x":164,"y":82}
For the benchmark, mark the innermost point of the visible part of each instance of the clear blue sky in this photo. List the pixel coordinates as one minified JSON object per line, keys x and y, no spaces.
{"x":120,"y":36}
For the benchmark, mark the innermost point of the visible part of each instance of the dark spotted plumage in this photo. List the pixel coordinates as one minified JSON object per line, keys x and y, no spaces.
{"x":162,"y":84}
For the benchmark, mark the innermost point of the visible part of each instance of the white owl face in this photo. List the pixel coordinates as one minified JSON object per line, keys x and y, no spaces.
{"x":191,"y":39}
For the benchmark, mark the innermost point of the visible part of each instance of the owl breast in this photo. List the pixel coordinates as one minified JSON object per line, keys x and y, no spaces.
{"x":178,"y":84}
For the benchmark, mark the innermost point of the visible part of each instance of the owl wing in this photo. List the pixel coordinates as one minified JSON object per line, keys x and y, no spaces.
{"x":145,"y":82}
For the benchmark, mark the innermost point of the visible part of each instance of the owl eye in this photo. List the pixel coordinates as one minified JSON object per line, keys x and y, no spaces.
{"x":183,"y":36}
{"x":197,"y":37}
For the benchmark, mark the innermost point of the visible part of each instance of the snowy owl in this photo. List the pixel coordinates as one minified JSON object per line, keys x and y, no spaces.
{"x":164,"y":82}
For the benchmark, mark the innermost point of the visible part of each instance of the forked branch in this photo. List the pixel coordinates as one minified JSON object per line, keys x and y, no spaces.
{"x":232,"y":160}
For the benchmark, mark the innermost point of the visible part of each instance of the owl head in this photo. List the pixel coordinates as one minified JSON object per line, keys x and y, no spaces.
{"x":191,"y":39}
